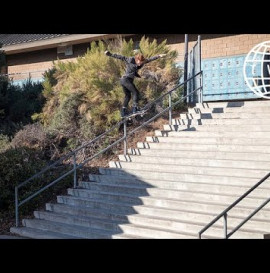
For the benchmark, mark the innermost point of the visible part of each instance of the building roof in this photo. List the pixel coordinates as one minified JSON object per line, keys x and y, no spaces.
{"x":13,"y":39}
{"x":19,"y":43}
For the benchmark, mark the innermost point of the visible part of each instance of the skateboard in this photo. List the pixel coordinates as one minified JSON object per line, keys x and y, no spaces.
{"x":132,"y":119}
{"x":132,"y":115}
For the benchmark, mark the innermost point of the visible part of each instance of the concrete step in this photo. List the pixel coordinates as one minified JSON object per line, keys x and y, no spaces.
{"x":186,"y":186}
{"x":205,"y":147}
{"x":245,"y":116}
{"x":152,"y":206}
{"x":170,"y":184}
{"x":132,"y":198}
{"x":237,"y":172}
{"x":79,"y":220}
{"x":100,"y":204}
{"x":154,"y":232}
{"x":220,"y":128}
{"x":12,"y":237}
{"x":218,"y":134}
{"x":240,"y":104}
{"x":183,"y":213}
{"x":194,"y":122}
{"x":69,"y":230}
{"x":127,"y":236}
{"x":108,"y":196}
{"x":165,"y":222}
{"x":34,"y":233}
{"x":105,"y":212}
{"x":196,"y":222}
{"x":259,"y":109}
{"x":144,"y":176}
{"x":199,"y":155}
{"x":210,"y":140}
{"x":91,"y":233}
{"x":207,"y":162}
{"x":166,"y":228}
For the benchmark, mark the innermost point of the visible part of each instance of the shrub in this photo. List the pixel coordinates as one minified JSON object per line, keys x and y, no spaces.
{"x":17,"y":165}
{"x":4,"y":143}
{"x":31,"y":136}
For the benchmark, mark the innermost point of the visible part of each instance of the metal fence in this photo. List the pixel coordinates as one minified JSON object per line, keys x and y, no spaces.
{"x":22,"y":77}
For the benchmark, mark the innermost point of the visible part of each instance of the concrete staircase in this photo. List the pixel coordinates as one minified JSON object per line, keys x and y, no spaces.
{"x":174,"y":183}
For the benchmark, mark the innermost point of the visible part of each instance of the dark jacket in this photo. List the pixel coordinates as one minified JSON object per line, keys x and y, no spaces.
{"x":131,"y":66}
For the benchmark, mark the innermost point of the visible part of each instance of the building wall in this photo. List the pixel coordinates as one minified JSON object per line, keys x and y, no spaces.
{"x":213,"y":45}
{"x":36,"y":62}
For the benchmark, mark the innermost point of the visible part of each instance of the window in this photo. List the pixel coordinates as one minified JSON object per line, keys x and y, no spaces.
{"x":65,"y":49}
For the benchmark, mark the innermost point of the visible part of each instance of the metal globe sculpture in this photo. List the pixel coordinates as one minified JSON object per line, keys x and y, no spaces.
{"x":257,"y":69}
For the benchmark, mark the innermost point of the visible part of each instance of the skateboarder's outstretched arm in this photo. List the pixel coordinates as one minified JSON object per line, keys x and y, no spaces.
{"x":127,"y":59}
{"x":117,"y":56}
{"x":155,"y":58}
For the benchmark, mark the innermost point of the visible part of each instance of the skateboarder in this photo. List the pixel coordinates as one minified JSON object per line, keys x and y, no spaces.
{"x":133,"y":64}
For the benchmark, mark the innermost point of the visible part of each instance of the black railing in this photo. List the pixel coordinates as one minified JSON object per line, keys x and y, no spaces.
{"x":224,"y":214}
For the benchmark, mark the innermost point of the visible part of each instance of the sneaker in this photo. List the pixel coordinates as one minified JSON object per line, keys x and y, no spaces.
{"x":135,"y":109}
{"x":124,"y":112}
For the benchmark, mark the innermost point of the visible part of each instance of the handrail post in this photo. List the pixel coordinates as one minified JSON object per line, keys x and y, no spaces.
{"x":75,"y":171}
{"x":225,"y":226}
{"x":170,"y":108}
{"x":125,"y":137}
{"x":201,"y":89}
{"x":16,"y":207}
{"x":186,"y":65}
{"x":200,"y":67}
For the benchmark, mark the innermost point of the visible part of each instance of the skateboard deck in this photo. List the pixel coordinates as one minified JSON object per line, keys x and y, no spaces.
{"x":139,"y":113}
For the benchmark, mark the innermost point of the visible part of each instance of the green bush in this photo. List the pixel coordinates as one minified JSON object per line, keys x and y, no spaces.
{"x":4,"y":143}
{"x":16,"y":165}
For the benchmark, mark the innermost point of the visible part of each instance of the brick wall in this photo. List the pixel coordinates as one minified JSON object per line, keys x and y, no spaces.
{"x":213,"y":45}
{"x":231,"y":45}
{"x":221,"y":45}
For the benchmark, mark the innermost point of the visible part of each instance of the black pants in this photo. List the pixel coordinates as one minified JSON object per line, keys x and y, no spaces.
{"x":129,"y":89}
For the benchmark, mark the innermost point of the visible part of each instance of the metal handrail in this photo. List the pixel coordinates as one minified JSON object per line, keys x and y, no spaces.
{"x":224,"y":213}
{"x":124,"y":139}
